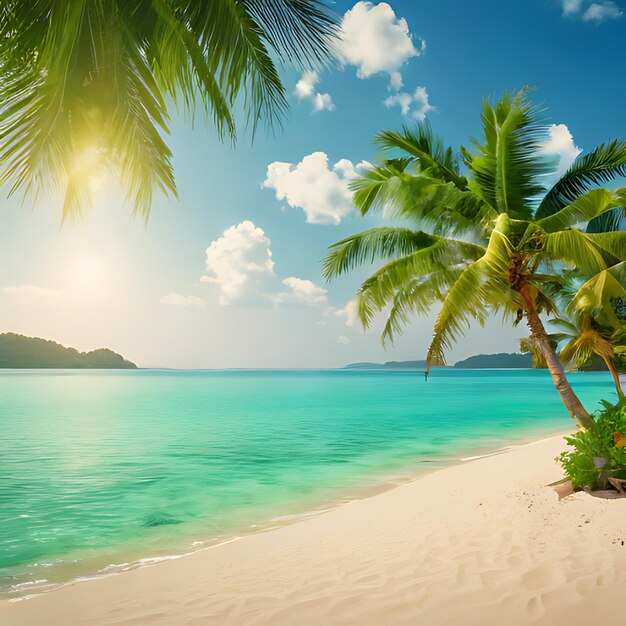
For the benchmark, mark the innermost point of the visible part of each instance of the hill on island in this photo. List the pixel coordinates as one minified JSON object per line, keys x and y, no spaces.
{"x":389,"y":365}
{"x":498,"y":361}
{"x":478,"y":361}
{"x":19,"y":352}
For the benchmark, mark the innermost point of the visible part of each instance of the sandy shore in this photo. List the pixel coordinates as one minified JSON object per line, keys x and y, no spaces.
{"x":483,"y":542}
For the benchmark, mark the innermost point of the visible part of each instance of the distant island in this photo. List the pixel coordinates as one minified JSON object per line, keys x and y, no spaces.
{"x":501,"y":360}
{"x":19,"y":352}
{"x":389,"y":365}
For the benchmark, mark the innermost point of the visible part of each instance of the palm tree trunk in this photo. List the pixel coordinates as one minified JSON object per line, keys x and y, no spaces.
{"x":568,"y":397}
{"x":618,"y":385}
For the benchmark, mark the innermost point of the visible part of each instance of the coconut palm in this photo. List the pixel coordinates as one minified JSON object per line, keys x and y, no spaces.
{"x":583,"y":337}
{"x":486,"y":238}
{"x":88,"y":85}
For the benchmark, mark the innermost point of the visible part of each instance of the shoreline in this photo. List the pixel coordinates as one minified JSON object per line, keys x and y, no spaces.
{"x":366,"y":486}
{"x":484,"y":538}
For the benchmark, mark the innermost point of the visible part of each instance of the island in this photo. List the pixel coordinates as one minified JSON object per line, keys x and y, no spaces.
{"x":21,"y":352}
{"x":502,"y":360}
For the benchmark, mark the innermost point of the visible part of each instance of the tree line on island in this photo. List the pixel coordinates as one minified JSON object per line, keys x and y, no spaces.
{"x":21,"y":352}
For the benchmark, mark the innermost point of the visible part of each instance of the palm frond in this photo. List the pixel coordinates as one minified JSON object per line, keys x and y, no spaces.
{"x":507,"y":167}
{"x":429,"y":152}
{"x":602,"y":165}
{"x":373,"y":244}
{"x":483,"y":286}
{"x":583,"y":209}
{"x":86,"y":83}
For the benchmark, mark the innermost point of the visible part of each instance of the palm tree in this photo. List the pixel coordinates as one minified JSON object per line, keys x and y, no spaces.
{"x":583,"y":337}
{"x":87,"y":85}
{"x":486,"y":239}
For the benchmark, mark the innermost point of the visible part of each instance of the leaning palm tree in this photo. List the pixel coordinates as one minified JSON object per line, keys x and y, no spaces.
{"x":88,"y":85}
{"x":487,"y":238}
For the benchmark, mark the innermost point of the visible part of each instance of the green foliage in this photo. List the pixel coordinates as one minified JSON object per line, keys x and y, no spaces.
{"x":475,"y":240}
{"x":86,"y":84}
{"x":18,"y":351}
{"x":597,"y":454}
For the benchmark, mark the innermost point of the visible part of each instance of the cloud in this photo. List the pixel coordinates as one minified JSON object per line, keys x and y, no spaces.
{"x":351,"y":314}
{"x":416,"y":104}
{"x":375,"y":41}
{"x":31,"y":291}
{"x":305,"y":90}
{"x":322,"y":193}
{"x":302,"y":292}
{"x":560,"y":143}
{"x":239,"y":262}
{"x":571,"y":7}
{"x":598,"y":12}
{"x":178,"y":299}
{"x":343,"y":340}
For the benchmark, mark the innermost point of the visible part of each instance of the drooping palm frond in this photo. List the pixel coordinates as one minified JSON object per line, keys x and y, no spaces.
{"x":602,"y":165}
{"x":578,"y":250}
{"x":529,"y":345}
{"x":416,"y":297}
{"x":366,"y":247}
{"x":506,"y":169}
{"x":586,"y":207}
{"x":611,"y":220}
{"x":594,"y":295}
{"x":482,"y":288}
{"x":86,"y":83}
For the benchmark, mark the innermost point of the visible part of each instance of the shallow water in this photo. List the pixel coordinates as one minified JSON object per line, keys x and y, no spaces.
{"x":107,"y":467}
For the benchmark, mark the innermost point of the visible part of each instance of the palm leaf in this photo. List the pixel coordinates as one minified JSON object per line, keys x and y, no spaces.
{"x":602,"y":165}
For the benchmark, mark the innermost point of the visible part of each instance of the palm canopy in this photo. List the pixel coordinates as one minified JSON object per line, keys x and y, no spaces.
{"x":485,"y":236}
{"x":87,"y":84}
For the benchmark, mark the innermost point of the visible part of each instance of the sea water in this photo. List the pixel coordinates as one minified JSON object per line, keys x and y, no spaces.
{"x":101,"y":470}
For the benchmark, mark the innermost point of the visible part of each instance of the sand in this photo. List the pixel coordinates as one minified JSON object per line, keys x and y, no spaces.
{"x":483,"y":542}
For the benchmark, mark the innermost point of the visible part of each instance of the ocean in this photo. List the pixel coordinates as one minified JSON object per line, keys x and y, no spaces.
{"x":104,"y":470}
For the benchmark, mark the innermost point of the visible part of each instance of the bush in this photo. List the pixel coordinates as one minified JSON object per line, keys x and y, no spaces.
{"x":598,"y":453}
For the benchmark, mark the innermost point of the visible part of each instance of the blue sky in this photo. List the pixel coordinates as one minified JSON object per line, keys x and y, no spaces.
{"x":114,"y":281}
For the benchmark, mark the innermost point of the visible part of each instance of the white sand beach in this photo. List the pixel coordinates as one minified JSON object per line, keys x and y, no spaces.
{"x":484,"y":542}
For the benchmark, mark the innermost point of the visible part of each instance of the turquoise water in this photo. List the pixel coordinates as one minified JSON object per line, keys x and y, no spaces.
{"x":102,"y":468}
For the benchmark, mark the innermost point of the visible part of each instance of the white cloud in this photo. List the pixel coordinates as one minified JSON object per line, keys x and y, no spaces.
{"x":323,"y":102}
{"x":31,"y":291}
{"x":351,"y":314}
{"x":560,"y":143}
{"x":375,"y":41}
{"x":322,"y":193}
{"x":598,"y":12}
{"x":302,"y":292}
{"x":305,"y":90}
{"x":595,"y":12}
{"x":239,"y":262}
{"x":395,"y":81}
{"x":571,"y":6}
{"x":178,"y":299}
{"x":343,"y":340}
{"x":416,"y":104}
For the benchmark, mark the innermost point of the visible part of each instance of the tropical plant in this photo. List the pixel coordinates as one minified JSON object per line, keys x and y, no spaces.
{"x":486,"y":238}
{"x":583,"y":337}
{"x":87,"y":84}
{"x":598,"y":454}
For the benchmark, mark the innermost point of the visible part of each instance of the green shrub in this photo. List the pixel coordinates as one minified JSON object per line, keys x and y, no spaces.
{"x":598,"y":453}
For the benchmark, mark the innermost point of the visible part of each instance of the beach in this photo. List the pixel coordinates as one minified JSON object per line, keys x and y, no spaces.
{"x":485,"y":541}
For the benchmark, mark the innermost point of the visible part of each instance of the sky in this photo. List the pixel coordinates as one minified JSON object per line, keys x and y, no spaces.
{"x":229,"y":274}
